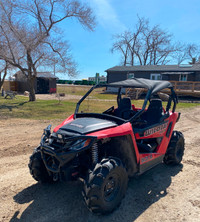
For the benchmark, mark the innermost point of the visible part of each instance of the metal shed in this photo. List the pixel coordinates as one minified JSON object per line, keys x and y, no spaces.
{"x":45,"y":82}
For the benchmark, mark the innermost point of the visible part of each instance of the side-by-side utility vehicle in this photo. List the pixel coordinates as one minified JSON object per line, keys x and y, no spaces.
{"x":105,"y":149}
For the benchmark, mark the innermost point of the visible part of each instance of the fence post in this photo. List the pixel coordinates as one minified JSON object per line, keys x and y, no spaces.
{"x":193,"y":86}
{"x":175,"y":85}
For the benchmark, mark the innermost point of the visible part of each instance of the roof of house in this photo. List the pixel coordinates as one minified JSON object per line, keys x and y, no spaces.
{"x":159,"y":68}
{"x":46,"y":75}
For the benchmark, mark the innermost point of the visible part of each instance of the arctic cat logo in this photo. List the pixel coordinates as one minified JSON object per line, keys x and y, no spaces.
{"x":161,"y":128}
{"x":77,"y":125}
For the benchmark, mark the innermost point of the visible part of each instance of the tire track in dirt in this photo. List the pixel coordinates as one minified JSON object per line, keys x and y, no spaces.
{"x":192,"y":162}
{"x":193,"y":118}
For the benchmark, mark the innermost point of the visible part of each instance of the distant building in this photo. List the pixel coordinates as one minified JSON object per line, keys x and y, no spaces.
{"x":188,"y":72}
{"x":45,"y":82}
{"x":101,"y":79}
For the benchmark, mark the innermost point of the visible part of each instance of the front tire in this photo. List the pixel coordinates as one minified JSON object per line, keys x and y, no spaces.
{"x":38,"y":169}
{"x":106,"y":186}
{"x":175,"y":150}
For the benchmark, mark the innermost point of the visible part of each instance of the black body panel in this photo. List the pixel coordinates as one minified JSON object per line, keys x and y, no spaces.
{"x":87,"y":125}
{"x":150,"y":164}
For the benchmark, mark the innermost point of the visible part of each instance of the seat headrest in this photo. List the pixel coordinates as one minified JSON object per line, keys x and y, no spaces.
{"x":156,"y":102}
{"x":125,"y":103}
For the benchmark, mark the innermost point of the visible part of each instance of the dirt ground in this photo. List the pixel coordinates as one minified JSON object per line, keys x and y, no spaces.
{"x":162,"y":194}
{"x":57,"y":97}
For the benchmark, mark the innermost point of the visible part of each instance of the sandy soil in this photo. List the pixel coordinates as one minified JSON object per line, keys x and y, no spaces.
{"x":162,"y":194}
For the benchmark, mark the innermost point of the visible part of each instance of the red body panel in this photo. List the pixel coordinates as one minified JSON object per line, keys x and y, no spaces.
{"x":126,"y":129}
{"x":161,"y":149}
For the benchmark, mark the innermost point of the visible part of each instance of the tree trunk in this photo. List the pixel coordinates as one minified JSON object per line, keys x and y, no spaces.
{"x":31,"y":76}
{"x":4,"y":76}
{"x":31,"y":82}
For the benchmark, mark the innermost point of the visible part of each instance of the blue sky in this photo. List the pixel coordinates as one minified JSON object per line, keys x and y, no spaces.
{"x":91,"y":50}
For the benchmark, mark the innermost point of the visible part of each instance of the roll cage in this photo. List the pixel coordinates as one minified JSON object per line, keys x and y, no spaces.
{"x":152,"y":86}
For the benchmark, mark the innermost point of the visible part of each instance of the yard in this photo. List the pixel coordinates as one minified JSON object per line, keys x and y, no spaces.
{"x":164,"y":193}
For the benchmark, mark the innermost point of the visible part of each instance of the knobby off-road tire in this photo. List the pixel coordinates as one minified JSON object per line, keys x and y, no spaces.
{"x":38,"y":169}
{"x":175,"y":150}
{"x":106,"y":186}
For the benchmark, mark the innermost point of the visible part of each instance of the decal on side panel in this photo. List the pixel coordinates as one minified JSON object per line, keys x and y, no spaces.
{"x":158,"y":129}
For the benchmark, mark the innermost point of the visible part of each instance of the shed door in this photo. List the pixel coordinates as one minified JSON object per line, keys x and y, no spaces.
{"x":42,"y":85}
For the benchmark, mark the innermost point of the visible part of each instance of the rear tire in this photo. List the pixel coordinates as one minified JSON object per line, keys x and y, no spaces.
{"x":106,"y":186}
{"x":38,"y":169}
{"x":175,"y":150}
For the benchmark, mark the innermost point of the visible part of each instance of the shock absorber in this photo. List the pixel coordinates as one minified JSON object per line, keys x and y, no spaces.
{"x":95,"y":153}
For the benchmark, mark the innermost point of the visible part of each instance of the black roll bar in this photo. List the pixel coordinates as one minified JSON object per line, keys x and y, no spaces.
{"x":149,"y":92}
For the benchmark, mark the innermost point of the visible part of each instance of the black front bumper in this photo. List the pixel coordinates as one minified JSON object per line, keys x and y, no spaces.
{"x":56,"y":158}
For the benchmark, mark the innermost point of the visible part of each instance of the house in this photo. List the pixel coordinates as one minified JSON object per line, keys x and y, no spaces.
{"x":155,"y":72}
{"x":45,"y":82}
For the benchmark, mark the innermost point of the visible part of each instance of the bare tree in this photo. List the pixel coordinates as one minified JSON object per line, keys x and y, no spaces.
{"x":181,"y":54}
{"x":145,"y":45}
{"x":187,"y":53}
{"x":134,"y":42}
{"x":192,"y":52}
{"x":26,"y":30}
{"x":121,"y":44}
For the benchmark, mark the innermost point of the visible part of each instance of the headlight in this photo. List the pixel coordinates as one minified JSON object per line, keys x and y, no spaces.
{"x":51,"y":140}
{"x":52,"y":137}
{"x":80,"y":144}
{"x":60,"y":136}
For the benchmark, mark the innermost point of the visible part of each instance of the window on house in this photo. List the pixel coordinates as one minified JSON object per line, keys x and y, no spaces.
{"x":155,"y":76}
{"x":130,"y":75}
{"x":183,"y":77}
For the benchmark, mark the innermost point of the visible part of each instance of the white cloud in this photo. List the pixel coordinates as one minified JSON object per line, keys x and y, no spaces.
{"x":106,"y":15}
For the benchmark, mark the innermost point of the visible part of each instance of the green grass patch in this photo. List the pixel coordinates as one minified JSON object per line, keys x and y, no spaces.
{"x":40,"y":109}
{"x":51,"y":109}
{"x":181,"y":106}
{"x":81,"y":90}
{"x":20,"y":107}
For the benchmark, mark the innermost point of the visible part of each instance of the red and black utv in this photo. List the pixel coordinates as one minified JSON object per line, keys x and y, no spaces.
{"x":105,"y":149}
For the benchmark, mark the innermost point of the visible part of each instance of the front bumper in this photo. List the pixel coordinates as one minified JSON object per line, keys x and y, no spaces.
{"x":60,"y":156}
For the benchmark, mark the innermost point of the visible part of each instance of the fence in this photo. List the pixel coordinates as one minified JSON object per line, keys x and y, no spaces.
{"x":9,"y":85}
{"x":181,"y":88}
{"x":186,"y":86}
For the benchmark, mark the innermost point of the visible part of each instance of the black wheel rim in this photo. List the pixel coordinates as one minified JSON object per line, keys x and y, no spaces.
{"x":111,"y":187}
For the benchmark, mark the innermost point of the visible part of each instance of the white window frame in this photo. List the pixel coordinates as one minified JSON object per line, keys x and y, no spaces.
{"x":130,"y":75}
{"x":183,"y":77}
{"x":156,"y":75}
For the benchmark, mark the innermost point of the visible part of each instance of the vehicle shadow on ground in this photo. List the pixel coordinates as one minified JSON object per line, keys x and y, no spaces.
{"x":64,"y":202}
